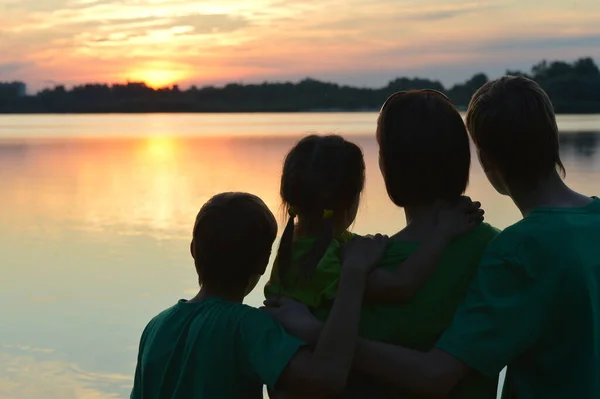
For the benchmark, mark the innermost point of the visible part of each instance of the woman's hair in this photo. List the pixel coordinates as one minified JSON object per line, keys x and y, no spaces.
{"x":423,"y":147}
{"x":322,"y":179}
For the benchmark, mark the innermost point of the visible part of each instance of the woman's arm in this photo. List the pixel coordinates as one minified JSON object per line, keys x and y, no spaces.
{"x":402,"y":284}
{"x":325,"y":370}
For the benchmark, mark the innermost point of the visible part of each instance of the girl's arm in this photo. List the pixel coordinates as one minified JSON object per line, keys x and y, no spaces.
{"x":402,"y":284}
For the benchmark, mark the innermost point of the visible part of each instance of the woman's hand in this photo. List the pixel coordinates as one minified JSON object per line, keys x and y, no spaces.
{"x":456,"y":219}
{"x":295,"y":318}
{"x":362,"y":254}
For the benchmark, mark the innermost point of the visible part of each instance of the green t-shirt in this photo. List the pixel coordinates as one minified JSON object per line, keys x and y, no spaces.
{"x":211,"y":349}
{"x":535,"y":306}
{"x":417,"y":323}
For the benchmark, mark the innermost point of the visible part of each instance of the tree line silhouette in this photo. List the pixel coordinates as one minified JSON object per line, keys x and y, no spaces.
{"x":573,"y":88}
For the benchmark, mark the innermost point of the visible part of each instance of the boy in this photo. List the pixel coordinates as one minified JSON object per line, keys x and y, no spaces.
{"x":535,"y":303}
{"x":213,"y":346}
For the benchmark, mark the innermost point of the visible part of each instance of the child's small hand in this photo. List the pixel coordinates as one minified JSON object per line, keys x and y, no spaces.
{"x":362,"y":254}
{"x":458,"y":218}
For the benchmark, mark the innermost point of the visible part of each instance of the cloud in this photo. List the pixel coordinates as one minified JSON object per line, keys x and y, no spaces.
{"x":12,"y":69}
{"x":539,"y":43}
{"x":205,"y":41}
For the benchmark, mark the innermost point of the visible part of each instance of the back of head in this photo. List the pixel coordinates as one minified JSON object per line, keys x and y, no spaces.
{"x":322,"y":179}
{"x":512,"y":123}
{"x":423,"y":148}
{"x":232,"y":238}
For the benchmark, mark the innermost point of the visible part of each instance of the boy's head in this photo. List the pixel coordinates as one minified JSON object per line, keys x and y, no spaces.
{"x":424,"y":152}
{"x":232,"y":240}
{"x":512,"y":123}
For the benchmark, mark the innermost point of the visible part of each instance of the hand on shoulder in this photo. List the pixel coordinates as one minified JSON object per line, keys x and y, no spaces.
{"x":362,"y":254}
{"x":457,"y":218}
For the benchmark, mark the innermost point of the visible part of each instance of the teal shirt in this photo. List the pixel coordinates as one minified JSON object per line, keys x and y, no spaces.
{"x":535,"y":306}
{"x":211,"y":349}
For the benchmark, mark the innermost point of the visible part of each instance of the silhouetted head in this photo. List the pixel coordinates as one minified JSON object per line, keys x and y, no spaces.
{"x":232,"y":241}
{"x":424,"y":152}
{"x":513,"y":126}
{"x":321,"y":183}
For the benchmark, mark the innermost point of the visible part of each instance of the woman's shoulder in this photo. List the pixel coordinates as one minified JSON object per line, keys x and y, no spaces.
{"x":484,"y":232}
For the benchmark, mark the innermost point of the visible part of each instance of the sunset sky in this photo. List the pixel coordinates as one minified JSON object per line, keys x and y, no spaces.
{"x":360,"y":42}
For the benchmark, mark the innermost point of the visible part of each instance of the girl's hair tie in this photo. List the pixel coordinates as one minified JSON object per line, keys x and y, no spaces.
{"x":292,"y":211}
{"x":327,"y":214}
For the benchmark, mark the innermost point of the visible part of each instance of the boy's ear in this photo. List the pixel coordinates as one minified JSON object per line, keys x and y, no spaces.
{"x":192,"y":249}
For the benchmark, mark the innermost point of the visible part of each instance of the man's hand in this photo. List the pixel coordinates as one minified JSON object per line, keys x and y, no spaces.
{"x":295,"y":318}
{"x":456,"y":219}
{"x":362,"y":254}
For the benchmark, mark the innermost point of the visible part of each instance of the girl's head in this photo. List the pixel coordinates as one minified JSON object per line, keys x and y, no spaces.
{"x":424,"y":152}
{"x":321,"y":183}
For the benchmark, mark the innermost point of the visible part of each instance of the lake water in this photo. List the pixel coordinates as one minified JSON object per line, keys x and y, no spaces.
{"x":96,"y":215}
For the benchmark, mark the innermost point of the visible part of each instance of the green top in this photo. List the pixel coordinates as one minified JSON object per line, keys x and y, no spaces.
{"x":535,"y":306}
{"x":419,"y":322}
{"x":211,"y":349}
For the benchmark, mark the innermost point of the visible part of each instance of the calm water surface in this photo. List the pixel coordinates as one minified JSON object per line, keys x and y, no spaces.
{"x":96,"y":215}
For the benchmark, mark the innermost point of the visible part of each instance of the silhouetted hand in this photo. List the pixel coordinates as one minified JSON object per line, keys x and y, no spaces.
{"x":295,"y":318}
{"x":362,"y":254}
{"x":456,"y":219}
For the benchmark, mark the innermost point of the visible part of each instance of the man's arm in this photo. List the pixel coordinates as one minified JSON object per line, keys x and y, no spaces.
{"x":505,"y":311}
{"x":431,"y":374}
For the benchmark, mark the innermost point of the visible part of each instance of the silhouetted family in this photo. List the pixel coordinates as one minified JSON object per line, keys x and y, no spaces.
{"x":438,"y":309}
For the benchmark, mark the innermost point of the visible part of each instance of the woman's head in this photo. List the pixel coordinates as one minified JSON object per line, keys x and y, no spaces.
{"x":424,"y":151}
{"x":321,"y":183}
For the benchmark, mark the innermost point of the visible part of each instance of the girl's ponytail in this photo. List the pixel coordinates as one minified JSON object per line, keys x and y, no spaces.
{"x":310,"y":261}
{"x":284,"y":253}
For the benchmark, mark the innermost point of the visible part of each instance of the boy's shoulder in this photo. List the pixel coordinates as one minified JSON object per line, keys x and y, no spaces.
{"x":211,"y":308}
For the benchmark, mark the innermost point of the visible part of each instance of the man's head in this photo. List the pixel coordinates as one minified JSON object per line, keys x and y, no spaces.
{"x":512,"y":123}
{"x":424,"y":152}
{"x":232,"y":241}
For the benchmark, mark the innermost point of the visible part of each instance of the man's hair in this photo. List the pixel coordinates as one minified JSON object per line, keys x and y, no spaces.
{"x":424,"y":148}
{"x":232,"y":235}
{"x":512,"y":122}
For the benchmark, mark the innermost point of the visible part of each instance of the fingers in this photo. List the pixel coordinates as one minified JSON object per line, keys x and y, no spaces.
{"x":274,"y":301}
{"x":473,"y":206}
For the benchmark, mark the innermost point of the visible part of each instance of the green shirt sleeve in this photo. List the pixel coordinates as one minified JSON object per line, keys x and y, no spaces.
{"x":504,"y":311}
{"x":136,"y":391}
{"x":266,"y":347}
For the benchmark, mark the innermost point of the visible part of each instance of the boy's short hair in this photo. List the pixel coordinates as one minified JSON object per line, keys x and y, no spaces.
{"x":424,"y":148}
{"x":512,"y":122}
{"x":233,"y":234}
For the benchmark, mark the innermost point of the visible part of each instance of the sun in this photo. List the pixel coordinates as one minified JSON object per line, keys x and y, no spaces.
{"x":159,"y":149}
{"x":157,"y":78}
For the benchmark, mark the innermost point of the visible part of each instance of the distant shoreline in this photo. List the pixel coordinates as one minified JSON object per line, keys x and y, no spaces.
{"x":574,"y":88}
{"x":340,"y":111}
